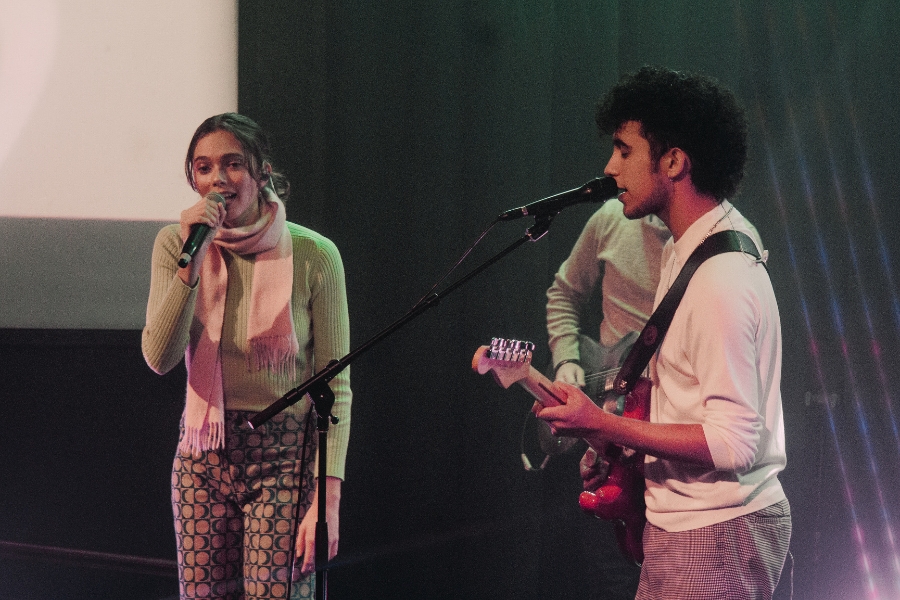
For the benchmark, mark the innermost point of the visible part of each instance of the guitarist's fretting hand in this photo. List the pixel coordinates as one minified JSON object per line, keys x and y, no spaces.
{"x":575,"y":418}
{"x":576,"y":413}
{"x":570,"y":373}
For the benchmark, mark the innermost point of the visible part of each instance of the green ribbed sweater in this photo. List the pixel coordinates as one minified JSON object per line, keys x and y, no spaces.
{"x":321,"y":321}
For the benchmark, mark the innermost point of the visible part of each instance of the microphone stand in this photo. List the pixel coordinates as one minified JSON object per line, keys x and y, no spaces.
{"x":323,"y":397}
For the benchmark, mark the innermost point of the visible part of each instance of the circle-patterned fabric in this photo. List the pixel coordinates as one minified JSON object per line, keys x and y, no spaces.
{"x":235,"y":510}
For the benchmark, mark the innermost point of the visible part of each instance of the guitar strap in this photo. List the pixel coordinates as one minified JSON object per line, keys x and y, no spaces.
{"x":655,"y":329}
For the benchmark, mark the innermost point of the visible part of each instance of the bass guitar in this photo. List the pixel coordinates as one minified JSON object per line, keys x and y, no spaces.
{"x":620,"y":498}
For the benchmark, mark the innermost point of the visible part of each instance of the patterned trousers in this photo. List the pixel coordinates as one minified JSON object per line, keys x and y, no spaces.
{"x":234,"y":510}
{"x":740,"y":559}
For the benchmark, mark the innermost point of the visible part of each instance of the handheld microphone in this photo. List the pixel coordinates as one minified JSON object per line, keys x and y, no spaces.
{"x":600,"y":189}
{"x":197,"y":236}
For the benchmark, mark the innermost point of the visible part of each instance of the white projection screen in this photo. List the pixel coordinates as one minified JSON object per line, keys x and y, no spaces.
{"x":98,"y":101}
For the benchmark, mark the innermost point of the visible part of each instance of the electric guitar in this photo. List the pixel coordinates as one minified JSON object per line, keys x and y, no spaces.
{"x":621,"y":497}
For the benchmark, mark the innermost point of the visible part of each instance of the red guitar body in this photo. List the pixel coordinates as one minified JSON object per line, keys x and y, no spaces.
{"x":621,"y":497}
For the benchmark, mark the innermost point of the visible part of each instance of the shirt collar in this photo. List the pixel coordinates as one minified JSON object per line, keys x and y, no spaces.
{"x":714,"y":220}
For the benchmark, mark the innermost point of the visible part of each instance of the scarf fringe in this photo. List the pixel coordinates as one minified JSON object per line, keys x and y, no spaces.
{"x":211,"y":436}
{"x":277,"y":354}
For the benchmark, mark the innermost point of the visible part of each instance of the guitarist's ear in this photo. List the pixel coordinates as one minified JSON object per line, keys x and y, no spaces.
{"x":676,"y":164}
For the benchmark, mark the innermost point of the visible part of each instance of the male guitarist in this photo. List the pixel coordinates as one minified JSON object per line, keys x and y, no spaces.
{"x":718,"y":521}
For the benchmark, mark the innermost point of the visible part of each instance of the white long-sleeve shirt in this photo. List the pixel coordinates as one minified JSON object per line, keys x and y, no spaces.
{"x":720,"y":366}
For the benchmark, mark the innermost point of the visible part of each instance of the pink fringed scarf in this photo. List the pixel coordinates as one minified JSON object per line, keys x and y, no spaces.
{"x":271,"y":338}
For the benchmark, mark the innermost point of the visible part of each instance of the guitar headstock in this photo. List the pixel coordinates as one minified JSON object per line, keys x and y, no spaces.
{"x":508,"y":360}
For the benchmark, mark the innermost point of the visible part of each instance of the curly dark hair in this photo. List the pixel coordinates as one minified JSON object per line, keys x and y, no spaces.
{"x":688,"y":111}
{"x":253,"y":140}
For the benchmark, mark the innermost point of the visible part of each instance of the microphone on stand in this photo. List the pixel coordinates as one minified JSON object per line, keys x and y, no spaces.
{"x":197,"y":236}
{"x":600,"y":189}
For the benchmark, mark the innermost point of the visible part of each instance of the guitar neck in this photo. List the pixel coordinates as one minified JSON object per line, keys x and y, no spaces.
{"x":509,"y":363}
{"x":543,"y":390}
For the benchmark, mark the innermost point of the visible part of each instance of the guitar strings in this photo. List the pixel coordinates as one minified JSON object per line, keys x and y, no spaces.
{"x":601,"y":375}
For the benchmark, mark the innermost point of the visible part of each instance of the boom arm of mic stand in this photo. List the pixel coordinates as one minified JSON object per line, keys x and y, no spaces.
{"x":323,"y":397}
{"x":533,"y":234}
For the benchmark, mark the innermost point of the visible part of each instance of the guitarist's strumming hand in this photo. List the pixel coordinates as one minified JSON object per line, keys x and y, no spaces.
{"x":594,"y":470}
{"x":572,"y":373}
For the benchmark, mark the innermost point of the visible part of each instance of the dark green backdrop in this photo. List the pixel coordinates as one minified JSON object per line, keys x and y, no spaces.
{"x":407,"y":126}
